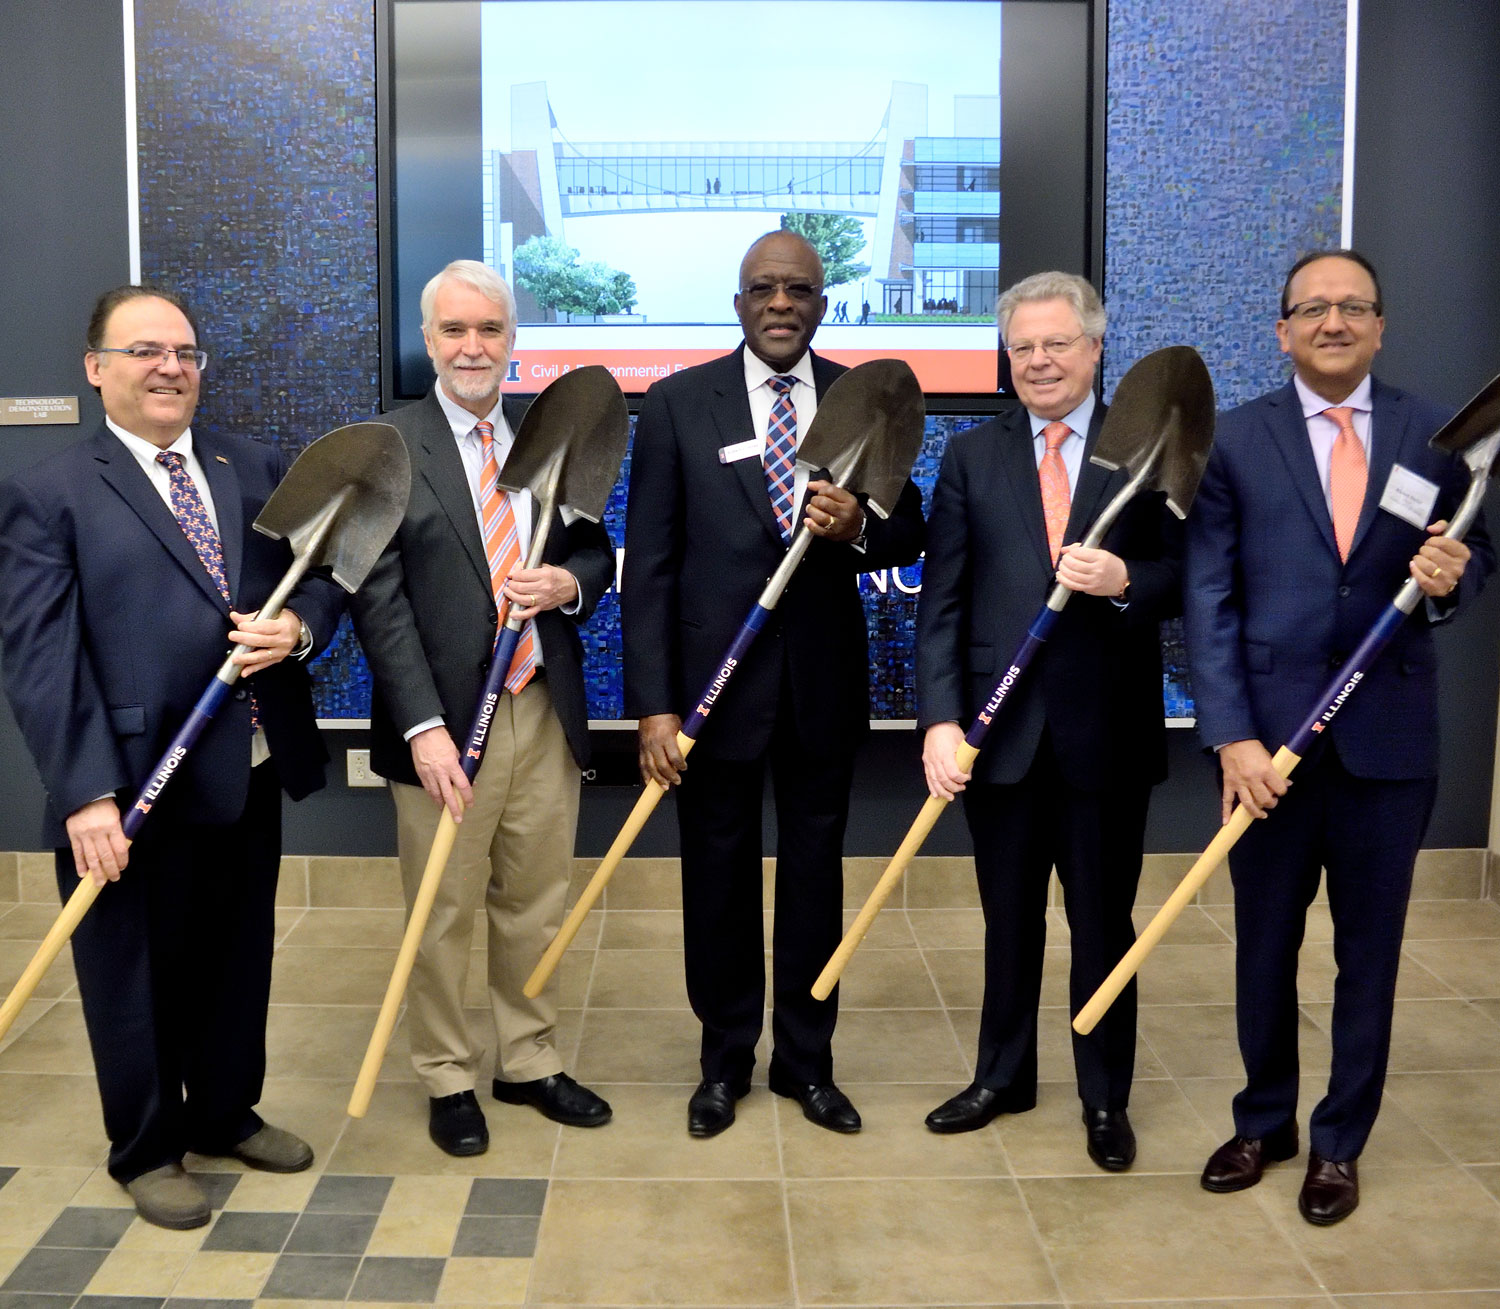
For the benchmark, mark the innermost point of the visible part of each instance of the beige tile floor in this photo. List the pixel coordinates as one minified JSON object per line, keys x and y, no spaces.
{"x":776,"y":1212}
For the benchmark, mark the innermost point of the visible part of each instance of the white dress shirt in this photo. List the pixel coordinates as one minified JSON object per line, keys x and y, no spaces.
{"x":804,"y":395}
{"x":1071,"y":449}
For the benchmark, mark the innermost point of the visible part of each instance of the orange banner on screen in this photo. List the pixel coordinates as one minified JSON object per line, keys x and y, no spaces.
{"x":937,"y":370}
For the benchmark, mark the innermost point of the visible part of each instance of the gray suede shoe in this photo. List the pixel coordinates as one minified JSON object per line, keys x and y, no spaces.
{"x":274,"y":1150}
{"x":168,"y":1197}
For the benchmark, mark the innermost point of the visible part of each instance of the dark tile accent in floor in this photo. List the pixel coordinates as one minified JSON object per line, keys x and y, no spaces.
{"x":88,"y":1229}
{"x":5,"y":1175}
{"x":311,"y":1277}
{"x":349,"y":1195}
{"x":507,"y":1195}
{"x":209,"y":1304}
{"x":256,"y":1233}
{"x":331,"y":1234}
{"x":496,"y":1237}
{"x":119,"y":1302}
{"x":217,"y":1186}
{"x":33,"y":1300}
{"x":405,"y":1280}
{"x":55,"y":1272}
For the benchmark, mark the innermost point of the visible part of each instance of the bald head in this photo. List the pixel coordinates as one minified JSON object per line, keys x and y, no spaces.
{"x":780,"y":301}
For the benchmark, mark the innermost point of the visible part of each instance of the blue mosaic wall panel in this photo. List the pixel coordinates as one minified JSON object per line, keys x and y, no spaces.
{"x":257,"y":174}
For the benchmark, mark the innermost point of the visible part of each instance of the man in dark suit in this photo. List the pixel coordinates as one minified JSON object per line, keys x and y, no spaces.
{"x":711,"y":511}
{"x":426,"y":618}
{"x":125,"y":563}
{"x":1066,"y":774}
{"x":1296,"y":544}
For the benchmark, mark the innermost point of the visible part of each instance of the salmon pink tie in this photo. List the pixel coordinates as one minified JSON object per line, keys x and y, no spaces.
{"x":1348,"y":472}
{"x":502,"y":547}
{"x":1056,"y":499}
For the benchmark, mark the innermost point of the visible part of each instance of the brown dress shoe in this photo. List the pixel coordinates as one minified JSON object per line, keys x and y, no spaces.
{"x":168,"y":1197}
{"x":1239,"y":1162}
{"x":274,"y":1150}
{"x":1330,"y":1191}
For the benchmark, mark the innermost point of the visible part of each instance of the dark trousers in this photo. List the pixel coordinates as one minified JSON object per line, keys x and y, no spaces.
{"x":174,"y":969}
{"x":719,"y":821}
{"x":1094,"y":838}
{"x":1366,"y":834}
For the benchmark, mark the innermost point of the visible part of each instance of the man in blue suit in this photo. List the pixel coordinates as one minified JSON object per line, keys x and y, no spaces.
{"x":1319,"y":500}
{"x":127,"y":562}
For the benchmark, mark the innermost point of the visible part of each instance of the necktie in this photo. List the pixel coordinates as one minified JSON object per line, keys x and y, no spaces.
{"x":198,"y":527}
{"x":502,"y":547}
{"x":1347,"y":474}
{"x":1053,"y":475}
{"x":781,"y":452}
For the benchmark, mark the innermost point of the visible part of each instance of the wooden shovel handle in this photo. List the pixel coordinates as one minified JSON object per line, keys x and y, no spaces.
{"x":649,"y":799}
{"x":57,"y":936}
{"x":416,"y":924}
{"x":931,"y":812}
{"x":1218,"y":850}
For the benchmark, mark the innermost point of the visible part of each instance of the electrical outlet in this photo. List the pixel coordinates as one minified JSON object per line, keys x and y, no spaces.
{"x":358,"y":771}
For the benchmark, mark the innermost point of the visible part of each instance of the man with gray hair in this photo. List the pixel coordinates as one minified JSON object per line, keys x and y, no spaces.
{"x":427,"y":620}
{"x":1065,"y":779}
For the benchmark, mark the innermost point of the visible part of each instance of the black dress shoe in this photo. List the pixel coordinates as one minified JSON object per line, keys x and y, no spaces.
{"x":1330,"y":1191}
{"x":1111,"y":1138}
{"x":975,"y":1107}
{"x":456,"y":1124}
{"x":559,"y":1098}
{"x":1240,"y":1161}
{"x":711,"y":1108}
{"x":823,"y":1104}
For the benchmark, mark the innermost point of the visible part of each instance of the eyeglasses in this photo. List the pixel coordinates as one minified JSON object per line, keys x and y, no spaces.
{"x":1054,"y":347}
{"x":190,"y":360}
{"x":763,"y":292}
{"x":1315,"y":311}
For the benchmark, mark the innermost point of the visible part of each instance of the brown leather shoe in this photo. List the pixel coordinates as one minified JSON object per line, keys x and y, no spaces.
{"x":168,"y":1197}
{"x":1330,"y":1191}
{"x":1239,"y":1162}
{"x":274,"y":1150}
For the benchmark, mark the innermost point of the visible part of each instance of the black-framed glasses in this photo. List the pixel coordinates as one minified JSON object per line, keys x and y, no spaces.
{"x":194,"y":360}
{"x":798,"y":291}
{"x":1054,"y":347}
{"x":1315,"y":311}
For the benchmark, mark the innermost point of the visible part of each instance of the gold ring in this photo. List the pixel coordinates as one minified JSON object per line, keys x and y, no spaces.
{"x":1436,"y":571}
{"x":531,"y":602}
{"x":828,"y":526}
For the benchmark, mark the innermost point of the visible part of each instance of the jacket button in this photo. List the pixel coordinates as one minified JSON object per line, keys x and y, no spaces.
{"x":241,"y":693}
{"x":1343,"y":593}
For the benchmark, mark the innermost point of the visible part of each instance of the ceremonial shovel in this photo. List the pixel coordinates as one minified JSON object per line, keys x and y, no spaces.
{"x":1159,"y":429}
{"x":568,"y":452}
{"x":1474,"y":434}
{"x":338,"y":505}
{"x":866,"y":434}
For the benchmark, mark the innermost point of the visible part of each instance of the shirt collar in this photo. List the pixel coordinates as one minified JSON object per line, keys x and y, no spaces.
{"x":1078,"y":420}
{"x":461,"y":420}
{"x":146,"y":451}
{"x":1313,"y":403}
{"x":758,"y":372}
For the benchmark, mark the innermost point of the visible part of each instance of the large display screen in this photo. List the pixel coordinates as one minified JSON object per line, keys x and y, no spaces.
{"x":614,"y":158}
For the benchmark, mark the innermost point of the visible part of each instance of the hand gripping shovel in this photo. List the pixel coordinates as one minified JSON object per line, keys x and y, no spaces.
{"x":568,"y":452}
{"x":1159,"y":429}
{"x":1474,"y":434}
{"x":338,"y":505}
{"x":866,"y":433}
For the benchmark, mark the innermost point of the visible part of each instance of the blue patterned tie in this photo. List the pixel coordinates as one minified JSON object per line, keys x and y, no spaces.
{"x":198,"y":527}
{"x":781,"y":452}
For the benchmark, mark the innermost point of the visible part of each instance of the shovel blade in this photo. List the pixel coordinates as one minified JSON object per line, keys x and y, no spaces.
{"x":368,"y":458}
{"x":873,"y":413}
{"x":582,"y":418}
{"x":1463,"y":433}
{"x":1165,"y":397}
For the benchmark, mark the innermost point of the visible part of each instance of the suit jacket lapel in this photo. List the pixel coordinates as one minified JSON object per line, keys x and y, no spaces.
{"x":1016,"y":458}
{"x":443,"y":470}
{"x":1289,"y":434}
{"x":1093,"y":481}
{"x":730,"y":410}
{"x":229,"y":509}
{"x":1388,"y":418}
{"x":119,"y":469}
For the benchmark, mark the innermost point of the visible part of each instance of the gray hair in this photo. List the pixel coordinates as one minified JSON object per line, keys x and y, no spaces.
{"x":1076,"y":290}
{"x":472,"y":273}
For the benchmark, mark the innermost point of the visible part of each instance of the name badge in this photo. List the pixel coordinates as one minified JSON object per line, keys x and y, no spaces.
{"x":751,"y":450}
{"x":1409,"y":496}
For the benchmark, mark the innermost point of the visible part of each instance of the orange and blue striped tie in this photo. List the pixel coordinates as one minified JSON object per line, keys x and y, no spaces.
{"x":781,"y":452}
{"x":502,"y":547}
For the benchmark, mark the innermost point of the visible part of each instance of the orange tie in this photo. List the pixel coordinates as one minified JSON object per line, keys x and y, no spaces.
{"x":1347,"y":474}
{"x":502,"y":546}
{"x":1056,"y":499}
